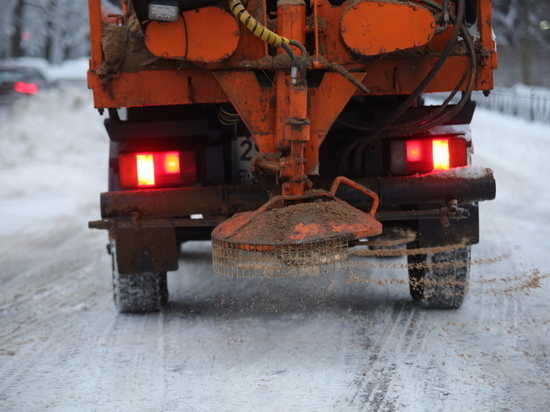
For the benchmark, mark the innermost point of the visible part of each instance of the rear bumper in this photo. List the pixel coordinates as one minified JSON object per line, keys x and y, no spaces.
{"x":172,"y":207}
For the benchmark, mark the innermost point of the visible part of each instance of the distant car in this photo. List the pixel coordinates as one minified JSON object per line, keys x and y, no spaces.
{"x":16,"y":81}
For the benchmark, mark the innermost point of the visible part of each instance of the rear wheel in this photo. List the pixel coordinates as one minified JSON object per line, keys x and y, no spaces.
{"x":440,"y":280}
{"x":138,"y":293}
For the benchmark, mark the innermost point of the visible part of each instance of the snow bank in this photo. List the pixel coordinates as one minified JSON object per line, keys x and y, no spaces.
{"x":70,"y":70}
{"x":514,"y":144}
{"x":518,"y":152}
{"x":53,"y":160}
{"x":54,"y":126}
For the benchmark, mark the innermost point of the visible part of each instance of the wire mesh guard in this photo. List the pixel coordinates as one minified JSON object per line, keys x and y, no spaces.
{"x":306,"y":259}
{"x":301,"y":239}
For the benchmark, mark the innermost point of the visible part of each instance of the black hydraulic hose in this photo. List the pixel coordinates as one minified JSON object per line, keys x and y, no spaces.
{"x":355,"y":127}
{"x":402,"y":127}
{"x":465,"y":97}
{"x":432,"y":119}
{"x":299,"y":45}
{"x":445,"y":12}
{"x":399,"y":128}
{"x":428,"y":122}
{"x":362,"y":144}
{"x":293,"y":62}
{"x":303,"y":60}
{"x":405,"y":105}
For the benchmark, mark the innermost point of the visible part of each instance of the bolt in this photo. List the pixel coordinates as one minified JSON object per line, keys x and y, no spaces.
{"x":355,"y":6}
{"x":343,"y":29}
{"x":356,"y":50}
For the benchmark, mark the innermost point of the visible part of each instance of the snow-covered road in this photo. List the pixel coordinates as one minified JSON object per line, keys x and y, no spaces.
{"x":329,"y":343}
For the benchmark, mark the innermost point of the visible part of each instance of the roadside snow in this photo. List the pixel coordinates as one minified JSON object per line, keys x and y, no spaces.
{"x":74,"y":70}
{"x":52,"y":153}
{"x":520,"y":149}
{"x":518,"y":152}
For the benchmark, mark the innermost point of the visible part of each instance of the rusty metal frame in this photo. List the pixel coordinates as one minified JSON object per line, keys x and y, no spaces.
{"x":172,"y":207}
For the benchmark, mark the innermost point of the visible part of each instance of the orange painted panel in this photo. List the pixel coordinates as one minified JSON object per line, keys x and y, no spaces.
{"x":206,"y":35}
{"x":157,"y":87}
{"x":372,"y":28}
{"x":167,"y":87}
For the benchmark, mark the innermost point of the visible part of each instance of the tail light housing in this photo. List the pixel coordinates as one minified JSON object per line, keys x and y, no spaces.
{"x":427,"y":154}
{"x":26,"y":88}
{"x":157,"y":169}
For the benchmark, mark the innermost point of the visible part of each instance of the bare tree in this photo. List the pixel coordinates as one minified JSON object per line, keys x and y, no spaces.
{"x":517,"y":24}
{"x":8,"y":23}
{"x":53,"y":29}
{"x":67,"y":30}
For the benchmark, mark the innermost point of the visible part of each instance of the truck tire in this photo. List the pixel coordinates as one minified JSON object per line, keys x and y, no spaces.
{"x":439,"y":280}
{"x":144,"y":292}
{"x":138,"y":293}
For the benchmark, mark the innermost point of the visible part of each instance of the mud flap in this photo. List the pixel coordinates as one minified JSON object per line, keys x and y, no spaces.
{"x":432,"y":233}
{"x":145,"y":250}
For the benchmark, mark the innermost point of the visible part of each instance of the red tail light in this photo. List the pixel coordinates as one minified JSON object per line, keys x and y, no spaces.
{"x":27,"y":88}
{"x":157,"y":169}
{"x":414,"y":151}
{"x":425,"y":155}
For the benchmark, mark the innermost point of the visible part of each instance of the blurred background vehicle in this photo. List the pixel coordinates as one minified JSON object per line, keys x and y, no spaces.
{"x":17,"y":80}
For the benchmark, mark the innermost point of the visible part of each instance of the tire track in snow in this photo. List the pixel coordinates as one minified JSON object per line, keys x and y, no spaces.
{"x":398,"y":343}
{"x":28,"y":253}
{"x":63,"y":345}
{"x":18,"y":368}
{"x":54,"y":282}
{"x":505,"y":316}
{"x":131,"y":369}
{"x":59,"y":285}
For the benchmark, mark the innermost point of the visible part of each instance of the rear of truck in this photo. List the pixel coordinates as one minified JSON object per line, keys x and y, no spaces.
{"x":288,"y":133}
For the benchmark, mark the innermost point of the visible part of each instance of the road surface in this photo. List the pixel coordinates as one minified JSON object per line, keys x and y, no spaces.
{"x":347,"y":342}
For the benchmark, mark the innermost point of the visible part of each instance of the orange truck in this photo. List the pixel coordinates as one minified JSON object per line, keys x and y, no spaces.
{"x":292,"y":134}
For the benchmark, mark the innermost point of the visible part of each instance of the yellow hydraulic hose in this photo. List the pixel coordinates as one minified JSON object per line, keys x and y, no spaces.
{"x":258,"y":29}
